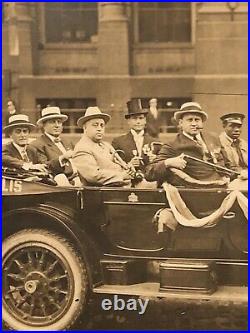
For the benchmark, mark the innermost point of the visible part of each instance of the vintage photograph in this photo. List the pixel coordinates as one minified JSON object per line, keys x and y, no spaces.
{"x":124,"y":166}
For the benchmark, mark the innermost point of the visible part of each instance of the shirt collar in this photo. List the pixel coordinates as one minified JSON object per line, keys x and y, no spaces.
{"x":19,"y":148}
{"x":228,"y":138}
{"x":135,"y":134}
{"x":51,"y":137}
{"x":198,"y":136}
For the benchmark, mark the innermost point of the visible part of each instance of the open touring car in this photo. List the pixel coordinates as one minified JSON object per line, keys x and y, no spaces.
{"x":61,"y":245}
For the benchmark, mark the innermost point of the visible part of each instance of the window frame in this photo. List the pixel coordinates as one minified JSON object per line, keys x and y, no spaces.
{"x":62,"y":45}
{"x":139,"y":44}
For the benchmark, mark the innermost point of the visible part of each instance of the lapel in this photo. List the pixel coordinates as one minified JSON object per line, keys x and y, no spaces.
{"x":14,"y":152}
{"x":131,"y":143}
{"x":51,"y":144}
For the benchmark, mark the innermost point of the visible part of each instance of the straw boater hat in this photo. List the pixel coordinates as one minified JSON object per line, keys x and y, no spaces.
{"x":18,"y":120}
{"x":135,"y":108}
{"x":235,"y":118}
{"x":92,"y":112}
{"x":51,"y":112}
{"x":190,"y":107}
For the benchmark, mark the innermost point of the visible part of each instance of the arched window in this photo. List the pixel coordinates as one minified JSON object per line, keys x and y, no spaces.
{"x":70,"y":22}
{"x":164,"y":22}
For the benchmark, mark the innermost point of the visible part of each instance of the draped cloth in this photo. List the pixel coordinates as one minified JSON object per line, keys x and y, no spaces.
{"x":182,"y":215}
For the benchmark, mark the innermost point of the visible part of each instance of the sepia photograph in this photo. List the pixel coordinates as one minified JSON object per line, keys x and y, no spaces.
{"x":124,"y":166}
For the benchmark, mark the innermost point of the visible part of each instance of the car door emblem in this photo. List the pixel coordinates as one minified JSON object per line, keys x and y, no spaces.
{"x":133,"y":197}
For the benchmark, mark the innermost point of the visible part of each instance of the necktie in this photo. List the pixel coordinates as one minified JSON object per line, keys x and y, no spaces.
{"x":25,"y":156}
{"x":57,"y":140}
{"x":236,"y":145}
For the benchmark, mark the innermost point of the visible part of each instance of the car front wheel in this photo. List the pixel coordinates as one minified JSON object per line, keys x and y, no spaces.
{"x":45,"y":283}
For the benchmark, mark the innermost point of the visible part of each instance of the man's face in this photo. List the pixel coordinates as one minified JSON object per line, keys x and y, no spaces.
{"x":153,"y":104}
{"x":233,"y":130}
{"x":53,"y":127}
{"x":94,"y":129}
{"x":20,"y":135}
{"x":191,"y":123}
{"x":137,"y":122}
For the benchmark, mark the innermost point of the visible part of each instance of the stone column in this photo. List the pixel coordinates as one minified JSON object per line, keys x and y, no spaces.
{"x":113,"y":59}
{"x":18,"y":57}
{"x":221,"y":59}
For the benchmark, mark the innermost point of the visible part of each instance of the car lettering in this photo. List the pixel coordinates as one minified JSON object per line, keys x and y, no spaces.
{"x":11,"y":185}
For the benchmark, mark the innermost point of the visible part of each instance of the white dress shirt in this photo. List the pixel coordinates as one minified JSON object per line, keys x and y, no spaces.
{"x":139,"y":138}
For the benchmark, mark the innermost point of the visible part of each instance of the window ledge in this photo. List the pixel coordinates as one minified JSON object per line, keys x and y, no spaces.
{"x":163,"y":45}
{"x":69,"y":46}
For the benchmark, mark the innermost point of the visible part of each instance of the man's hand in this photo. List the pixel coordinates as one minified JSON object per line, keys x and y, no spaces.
{"x":135,"y":161}
{"x":178,"y":162}
{"x":67,"y":155}
{"x":151,"y":158}
{"x":243,"y":175}
{"x":39,"y":167}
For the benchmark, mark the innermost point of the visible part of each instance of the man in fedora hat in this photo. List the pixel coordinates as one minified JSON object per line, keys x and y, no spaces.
{"x":52,"y":149}
{"x":192,"y":141}
{"x":236,"y":148}
{"x":94,"y":158}
{"x":136,"y":144}
{"x":18,"y":153}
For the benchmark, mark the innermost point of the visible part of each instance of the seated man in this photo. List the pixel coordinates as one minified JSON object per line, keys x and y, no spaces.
{"x":94,"y":158}
{"x":192,"y":142}
{"x":18,"y":153}
{"x":136,"y":144}
{"x":53,"y":150}
{"x":236,"y":149}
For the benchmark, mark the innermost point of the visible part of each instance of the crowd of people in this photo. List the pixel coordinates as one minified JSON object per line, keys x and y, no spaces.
{"x":137,"y":158}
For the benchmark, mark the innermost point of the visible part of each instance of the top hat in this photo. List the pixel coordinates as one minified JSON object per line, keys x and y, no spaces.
{"x":51,"y":112}
{"x":190,"y":107}
{"x":18,"y":120}
{"x":235,"y":118}
{"x":93,"y":112}
{"x":135,"y":108}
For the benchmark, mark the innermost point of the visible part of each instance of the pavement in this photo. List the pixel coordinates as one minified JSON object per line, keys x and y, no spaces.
{"x":164,"y":315}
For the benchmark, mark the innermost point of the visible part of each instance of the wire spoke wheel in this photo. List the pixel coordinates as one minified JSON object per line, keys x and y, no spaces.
{"x":44,"y":281}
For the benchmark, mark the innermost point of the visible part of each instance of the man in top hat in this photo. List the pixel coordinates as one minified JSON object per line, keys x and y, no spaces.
{"x":153,"y":119}
{"x":192,"y":141}
{"x":94,"y":158}
{"x":136,"y":144}
{"x":236,"y":148}
{"x":52,"y":149}
{"x":18,"y":153}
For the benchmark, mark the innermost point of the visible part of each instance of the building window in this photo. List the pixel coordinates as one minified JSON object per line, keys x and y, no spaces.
{"x":166,"y":108}
{"x":70,"y":22}
{"x":73,"y":108}
{"x":164,"y":22}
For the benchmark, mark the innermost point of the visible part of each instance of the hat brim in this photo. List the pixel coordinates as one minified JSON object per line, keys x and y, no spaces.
{"x":11,"y":126}
{"x":127,"y":116}
{"x":106,"y":117}
{"x":63,"y":117}
{"x":239,"y":122}
{"x":179,"y":114}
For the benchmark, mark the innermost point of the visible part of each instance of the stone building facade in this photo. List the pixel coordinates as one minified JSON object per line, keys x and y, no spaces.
{"x":78,"y":54}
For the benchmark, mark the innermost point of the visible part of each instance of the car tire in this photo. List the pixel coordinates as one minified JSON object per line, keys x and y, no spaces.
{"x":45,"y":283}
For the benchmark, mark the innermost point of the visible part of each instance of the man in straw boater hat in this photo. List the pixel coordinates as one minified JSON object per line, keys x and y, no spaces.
{"x":136,"y":144}
{"x":235,"y":147}
{"x":18,"y":153}
{"x":54,"y":150}
{"x":190,"y":141}
{"x":94,"y":158}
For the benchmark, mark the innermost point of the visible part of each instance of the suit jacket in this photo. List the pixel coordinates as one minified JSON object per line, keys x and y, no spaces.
{"x":95,"y":163}
{"x":157,"y":171}
{"x":231,"y":152}
{"x":49,"y":153}
{"x":11,"y":157}
{"x":127,"y":144}
{"x":153,"y":125}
